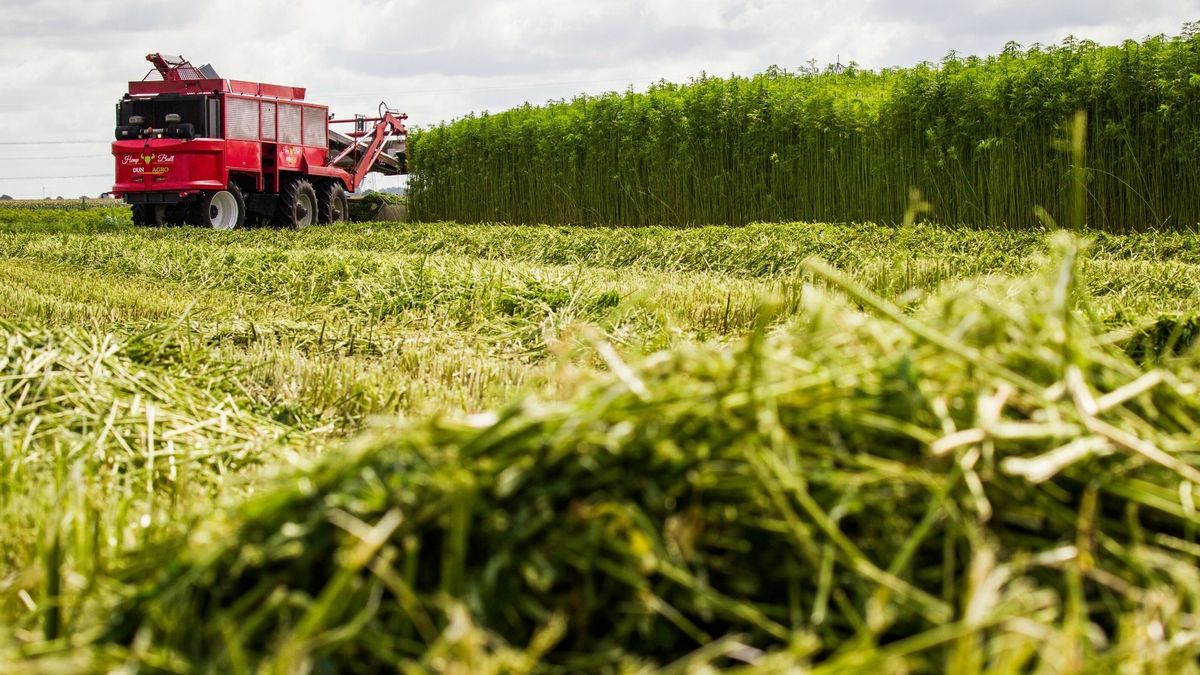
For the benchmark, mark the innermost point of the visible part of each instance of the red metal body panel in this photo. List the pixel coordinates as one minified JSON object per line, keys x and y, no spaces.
{"x":315,"y":157}
{"x":263,"y":89}
{"x":243,"y":155}
{"x":149,"y":87}
{"x":168,"y":165}
{"x":328,"y":172}
{"x":289,"y":157}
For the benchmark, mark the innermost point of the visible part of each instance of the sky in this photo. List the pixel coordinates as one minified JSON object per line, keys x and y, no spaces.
{"x":63,"y":64}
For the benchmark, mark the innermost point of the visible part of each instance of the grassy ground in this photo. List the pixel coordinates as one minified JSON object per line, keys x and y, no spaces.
{"x":152,"y":375}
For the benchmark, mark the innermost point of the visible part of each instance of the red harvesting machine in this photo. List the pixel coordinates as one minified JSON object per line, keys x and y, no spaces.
{"x":195,"y":148}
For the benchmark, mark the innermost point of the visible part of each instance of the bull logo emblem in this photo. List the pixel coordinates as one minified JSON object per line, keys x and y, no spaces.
{"x":147,"y":158}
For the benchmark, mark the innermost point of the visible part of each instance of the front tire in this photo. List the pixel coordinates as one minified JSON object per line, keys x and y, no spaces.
{"x":297,"y":205}
{"x":221,"y":210}
{"x":334,"y":206}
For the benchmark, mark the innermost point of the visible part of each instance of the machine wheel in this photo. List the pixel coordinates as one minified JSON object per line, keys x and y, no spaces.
{"x":177,"y":214}
{"x":334,"y":207}
{"x":222,"y":210}
{"x":149,"y":215}
{"x":297,"y":206}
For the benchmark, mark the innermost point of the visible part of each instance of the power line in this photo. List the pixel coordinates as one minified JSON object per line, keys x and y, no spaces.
{"x":516,"y":86}
{"x":502,"y":87}
{"x":17,"y":159}
{"x":91,"y":175}
{"x":50,"y":142}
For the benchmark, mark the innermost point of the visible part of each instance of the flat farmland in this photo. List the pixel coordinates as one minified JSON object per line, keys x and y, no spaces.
{"x":595,"y":448}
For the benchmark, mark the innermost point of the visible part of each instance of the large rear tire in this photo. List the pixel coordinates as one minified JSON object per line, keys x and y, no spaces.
{"x":297,"y":205}
{"x":221,"y":210}
{"x":333,"y":204}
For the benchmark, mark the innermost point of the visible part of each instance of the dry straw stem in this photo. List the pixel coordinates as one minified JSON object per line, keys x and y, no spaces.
{"x":104,"y":450}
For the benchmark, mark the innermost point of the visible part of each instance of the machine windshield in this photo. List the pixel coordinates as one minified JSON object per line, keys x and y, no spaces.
{"x":200,"y":111}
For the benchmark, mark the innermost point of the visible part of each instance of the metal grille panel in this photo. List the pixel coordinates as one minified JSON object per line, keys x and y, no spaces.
{"x":241,"y":118}
{"x":314,"y":127}
{"x":289,"y":123}
{"x":268,"y":121}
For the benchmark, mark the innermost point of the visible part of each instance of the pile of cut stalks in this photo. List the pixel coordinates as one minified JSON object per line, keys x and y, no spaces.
{"x":982,"y":481}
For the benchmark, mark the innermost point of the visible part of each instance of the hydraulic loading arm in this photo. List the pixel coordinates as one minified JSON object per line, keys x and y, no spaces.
{"x":389,"y":126}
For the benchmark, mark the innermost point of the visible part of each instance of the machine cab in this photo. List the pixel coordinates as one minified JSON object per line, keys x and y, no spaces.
{"x":178,"y":116}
